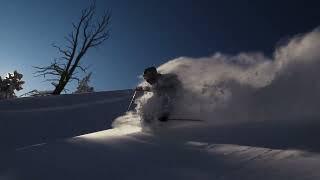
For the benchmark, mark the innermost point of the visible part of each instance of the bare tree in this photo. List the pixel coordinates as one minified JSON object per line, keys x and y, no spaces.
{"x":87,"y":33}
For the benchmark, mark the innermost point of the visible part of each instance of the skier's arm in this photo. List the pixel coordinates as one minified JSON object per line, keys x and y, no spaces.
{"x":141,"y":88}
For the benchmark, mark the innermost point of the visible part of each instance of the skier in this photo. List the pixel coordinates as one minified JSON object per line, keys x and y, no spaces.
{"x":164,"y":88}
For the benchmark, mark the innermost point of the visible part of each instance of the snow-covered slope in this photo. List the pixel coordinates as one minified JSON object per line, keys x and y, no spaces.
{"x":187,"y":152}
{"x":176,"y":150}
{"x":35,"y":120}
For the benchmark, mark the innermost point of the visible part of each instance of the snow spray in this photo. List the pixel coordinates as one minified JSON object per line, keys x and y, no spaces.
{"x":225,"y":88}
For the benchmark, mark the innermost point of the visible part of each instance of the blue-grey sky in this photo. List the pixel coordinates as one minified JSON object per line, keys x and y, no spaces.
{"x":146,"y":33}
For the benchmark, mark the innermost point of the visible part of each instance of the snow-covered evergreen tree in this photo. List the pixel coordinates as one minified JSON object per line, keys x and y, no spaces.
{"x":10,"y":84}
{"x":83,"y":86}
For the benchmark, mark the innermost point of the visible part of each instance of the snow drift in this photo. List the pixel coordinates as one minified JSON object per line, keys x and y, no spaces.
{"x":249,"y":86}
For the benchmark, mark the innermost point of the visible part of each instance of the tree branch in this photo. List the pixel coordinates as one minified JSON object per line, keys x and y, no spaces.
{"x":85,"y":34}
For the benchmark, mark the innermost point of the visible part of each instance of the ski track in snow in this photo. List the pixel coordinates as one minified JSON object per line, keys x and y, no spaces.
{"x":188,"y":150}
{"x":144,"y":156}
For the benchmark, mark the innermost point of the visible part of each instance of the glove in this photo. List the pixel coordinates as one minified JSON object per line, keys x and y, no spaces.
{"x":139,"y":88}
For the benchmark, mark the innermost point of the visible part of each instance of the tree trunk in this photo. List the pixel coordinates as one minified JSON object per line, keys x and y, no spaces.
{"x":59,"y":88}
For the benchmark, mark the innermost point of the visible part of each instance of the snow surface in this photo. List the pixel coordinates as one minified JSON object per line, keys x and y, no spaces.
{"x":35,"y":120}
{"x":46,"y":138}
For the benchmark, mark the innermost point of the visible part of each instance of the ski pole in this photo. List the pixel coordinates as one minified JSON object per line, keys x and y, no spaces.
{"x":134,"y":95}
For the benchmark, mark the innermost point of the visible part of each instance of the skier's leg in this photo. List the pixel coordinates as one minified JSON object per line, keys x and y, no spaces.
{"x":165,"y":109}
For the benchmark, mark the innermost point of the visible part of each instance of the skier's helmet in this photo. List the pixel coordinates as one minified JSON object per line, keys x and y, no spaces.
{"x":150,"y":75}
{"x":150,"y":70}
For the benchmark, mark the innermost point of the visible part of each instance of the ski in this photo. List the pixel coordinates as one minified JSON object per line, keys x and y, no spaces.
{"x":181,"y":119}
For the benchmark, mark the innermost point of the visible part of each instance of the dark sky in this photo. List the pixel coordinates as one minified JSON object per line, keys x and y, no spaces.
{"x":146,"y":33}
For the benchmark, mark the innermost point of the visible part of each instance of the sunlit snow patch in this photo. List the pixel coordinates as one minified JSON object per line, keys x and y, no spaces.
{"x":123,"y":125}
{"x":123,"y":130}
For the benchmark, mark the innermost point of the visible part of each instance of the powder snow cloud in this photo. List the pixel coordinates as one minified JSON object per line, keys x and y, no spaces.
{"x":226,"y":88}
